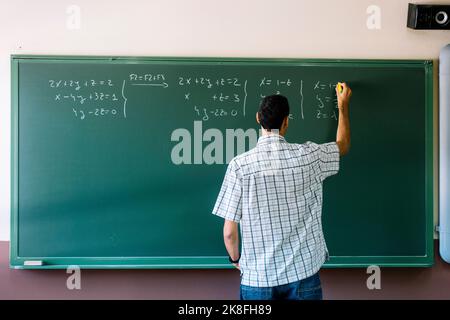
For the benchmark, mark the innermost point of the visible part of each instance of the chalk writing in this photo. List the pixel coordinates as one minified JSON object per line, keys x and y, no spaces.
{"x":223,"y":97}
{"x":89,"y":98}
{"x":77,"y":84}
{"x":97,"y":112}
{"x":325,"y":100}
{"x":208,"y":97}
{"x":148,"y":79}
{"x":206,"y":113}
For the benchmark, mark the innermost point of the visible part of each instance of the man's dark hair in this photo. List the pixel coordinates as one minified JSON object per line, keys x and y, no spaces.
{"x":272,"y":111}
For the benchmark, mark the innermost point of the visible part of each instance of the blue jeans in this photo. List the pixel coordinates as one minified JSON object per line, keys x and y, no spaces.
{"x":306,"y":289}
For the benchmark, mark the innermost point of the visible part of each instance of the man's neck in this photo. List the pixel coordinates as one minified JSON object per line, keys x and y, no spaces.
{"x":274,"y":132}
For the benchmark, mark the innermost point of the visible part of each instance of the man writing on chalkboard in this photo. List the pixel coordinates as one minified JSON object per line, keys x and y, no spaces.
{"x":275,"y":192}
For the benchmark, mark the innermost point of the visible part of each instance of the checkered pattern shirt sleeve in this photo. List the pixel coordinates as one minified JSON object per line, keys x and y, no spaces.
{"x":229,"y":201}
{"x":328,"y":154}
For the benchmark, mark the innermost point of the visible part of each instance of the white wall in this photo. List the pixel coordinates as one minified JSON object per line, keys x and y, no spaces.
{"x":250,"y":28}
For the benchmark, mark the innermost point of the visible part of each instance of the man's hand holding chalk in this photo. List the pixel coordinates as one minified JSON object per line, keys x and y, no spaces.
{"x":343,"y":93}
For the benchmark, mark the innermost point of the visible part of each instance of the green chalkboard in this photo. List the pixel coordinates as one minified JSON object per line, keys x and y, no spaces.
{"x":116,"y":164}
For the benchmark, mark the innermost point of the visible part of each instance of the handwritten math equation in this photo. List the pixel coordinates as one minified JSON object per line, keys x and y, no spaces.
{"x":220,"y":97}
{"x":207,"y":97}
{"x":325,"y":98}
{"x":227,"y":97}
{"x":86,"y":98}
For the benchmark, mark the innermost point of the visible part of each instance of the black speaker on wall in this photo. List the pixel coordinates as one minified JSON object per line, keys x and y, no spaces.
{"x":428,"y":16}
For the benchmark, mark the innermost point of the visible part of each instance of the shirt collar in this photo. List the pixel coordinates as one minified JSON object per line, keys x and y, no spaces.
{"x":272,"y":137}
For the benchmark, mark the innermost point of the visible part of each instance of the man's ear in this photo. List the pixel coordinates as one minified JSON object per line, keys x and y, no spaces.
{"x":285,"y":122}
{"x":257,"y":117}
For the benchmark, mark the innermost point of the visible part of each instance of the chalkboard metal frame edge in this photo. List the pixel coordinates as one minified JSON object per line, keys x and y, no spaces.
{"x":207,"y":263}
{"x":155,"y":59}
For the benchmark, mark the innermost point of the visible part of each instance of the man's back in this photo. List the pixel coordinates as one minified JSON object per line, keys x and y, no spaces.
{"x":275,"y":192}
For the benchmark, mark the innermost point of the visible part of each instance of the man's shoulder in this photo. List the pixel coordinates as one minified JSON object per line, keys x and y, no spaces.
{"x":310,"y":146}
{"x":305,"y":147}
{"x":243,"y":158}
{"x":251,"y":155}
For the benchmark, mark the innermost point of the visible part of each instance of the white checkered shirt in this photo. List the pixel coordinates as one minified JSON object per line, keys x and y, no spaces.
{"x":275,"y":192}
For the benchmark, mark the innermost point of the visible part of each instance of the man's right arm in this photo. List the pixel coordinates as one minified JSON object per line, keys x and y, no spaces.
{"x":343,"y":130}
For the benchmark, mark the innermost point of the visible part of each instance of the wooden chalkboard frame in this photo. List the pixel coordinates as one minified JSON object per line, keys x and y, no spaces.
{"x":17,"y":261}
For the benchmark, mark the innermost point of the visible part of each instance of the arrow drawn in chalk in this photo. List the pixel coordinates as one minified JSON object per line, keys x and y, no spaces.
{"x":164,"y":84}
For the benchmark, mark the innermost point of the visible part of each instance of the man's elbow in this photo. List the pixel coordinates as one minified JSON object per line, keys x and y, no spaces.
{"x":229,"y":235}
{"x":230,"y":231}
{"x":344,"y":147}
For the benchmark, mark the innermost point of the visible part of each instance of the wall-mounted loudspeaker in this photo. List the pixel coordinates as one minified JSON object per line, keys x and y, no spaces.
{"x":428,"y":16}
